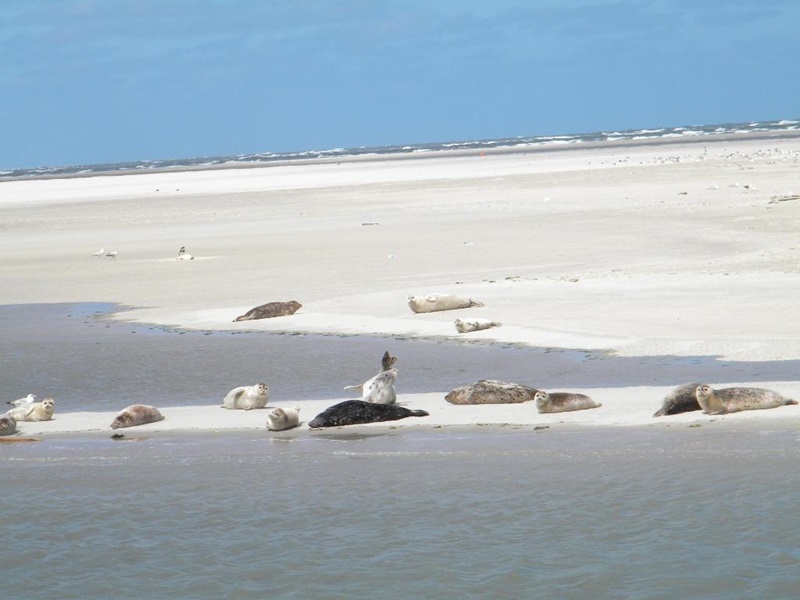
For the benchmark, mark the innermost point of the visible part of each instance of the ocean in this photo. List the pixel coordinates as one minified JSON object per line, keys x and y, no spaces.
{"x":451,"y":513}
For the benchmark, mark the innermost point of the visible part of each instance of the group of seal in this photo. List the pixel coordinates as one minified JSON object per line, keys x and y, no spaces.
{"x":700,"y":396}
{"x":26,"y":409}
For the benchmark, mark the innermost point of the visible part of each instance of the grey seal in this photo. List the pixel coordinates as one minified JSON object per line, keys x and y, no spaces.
{"x":736,"y":399}
{"x":247,"y":397}
{"x":136,"y":414}
{"x":491,"y":391}
{"x":680,"y":400}
{"x":557,"y":402}
{"x":356,"y":412}
{"x":380,"y":389}
{"x":437,"y":302}
{"x":270,"y":310}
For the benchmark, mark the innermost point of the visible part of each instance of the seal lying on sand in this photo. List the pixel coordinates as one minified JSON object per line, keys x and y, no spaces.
{"x":8,"y":424}
{"x":283,"y":418}
{"x":467,"y":325}
{"x":736,"y":399}
{"x":557,"y":402}
{"x":437,"y":302}
{"x":269,"y":310}
{"x":136,"y":414}
{"x":490,"y":391}
{"x":247,"y":397}
{"x":355,"y":412}
{"x":380,"y":389}
{"x":35,"y":411}
{"x":680,"y":400}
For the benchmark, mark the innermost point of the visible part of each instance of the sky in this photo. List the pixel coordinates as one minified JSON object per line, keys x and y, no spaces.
{"x":103,"y":81}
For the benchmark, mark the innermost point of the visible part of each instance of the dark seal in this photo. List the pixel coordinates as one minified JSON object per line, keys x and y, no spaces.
{"x":269,"y":310}
{"x":356,"y":412}
{"x":680,"y":400}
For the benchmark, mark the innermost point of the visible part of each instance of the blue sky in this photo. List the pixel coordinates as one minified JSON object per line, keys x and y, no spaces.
{"x":96,"y":81}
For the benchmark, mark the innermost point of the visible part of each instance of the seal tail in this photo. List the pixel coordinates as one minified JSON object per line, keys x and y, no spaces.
{"x":790,"y":401}
{"x":418,"y":413}
{"x":359,"y":387}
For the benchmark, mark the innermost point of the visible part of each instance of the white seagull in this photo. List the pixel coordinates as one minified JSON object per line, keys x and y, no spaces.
{"x":29,"y":399}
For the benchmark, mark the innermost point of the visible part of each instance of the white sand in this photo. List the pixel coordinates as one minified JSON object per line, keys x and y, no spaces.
{"x":668,"y":249}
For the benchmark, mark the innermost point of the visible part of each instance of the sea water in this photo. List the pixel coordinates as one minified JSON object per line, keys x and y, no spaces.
{"x":487,"y":513}
{"x":444,"y":513}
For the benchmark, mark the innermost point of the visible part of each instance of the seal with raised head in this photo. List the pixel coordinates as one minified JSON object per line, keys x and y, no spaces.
{"x":247,"y":397}
{"x":281,"y":418}
{"x":558,"y":402}
{"x":736,"y":399}
{"x":35,"y":411}
{"x":437,"y":302}
{"x":380,"y":389}
{"x":8,"y":424}
{"x":269,"y":310}
{"x":491,"y":391}
{"x":358,"y":412}
{"x":680,"y":400}
{"x":136,"y":414}
{"x":475,"y":324}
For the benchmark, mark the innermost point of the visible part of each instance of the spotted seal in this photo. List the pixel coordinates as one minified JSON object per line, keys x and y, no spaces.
{"x":380,"y":389}
{"x":557,"y":402}
{"x":491,"y":391}
{"x":136,"y":414}
{"x":8,"y":424}
{"x":35,"y":411}
{"x":247,"y":397}
{"x":437,"y":302}
{"x":736,"y":399}
{"x":283,"y":418}
{"x":680,"y":400}
{"x":270,"y":310}
{"x":356,"y":412}
{"x":468,"y":325}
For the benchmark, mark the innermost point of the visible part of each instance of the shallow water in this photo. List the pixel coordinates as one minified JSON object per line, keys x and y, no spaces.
{"x":487,"y":513}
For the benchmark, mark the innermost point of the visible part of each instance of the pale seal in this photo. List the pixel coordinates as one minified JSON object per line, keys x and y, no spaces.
{"x":437,"y":302}
{"x":136,"y":414}
{"x":247,"y":397}
{"x":680,"y":400}
{"x":491,"y":391}
{"x":29,"y":399}
{"x":8,"y":424}
{"x":35,"y":411}
{"x":380,"y":389}
{"x":557,"y":402}
{"x":270,"y":310}
{"x":736,"y":399}
{"x":184,"y":255}
{"x":283,"y":418}
{"x":468,"y":325}
{"x":356,"y":412}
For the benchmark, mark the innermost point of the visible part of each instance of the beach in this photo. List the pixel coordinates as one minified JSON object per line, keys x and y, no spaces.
{"x":657,"y":263}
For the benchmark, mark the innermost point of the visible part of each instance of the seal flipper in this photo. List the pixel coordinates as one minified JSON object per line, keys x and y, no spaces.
{"x":418,"y":413}
{"x":387,"y":362}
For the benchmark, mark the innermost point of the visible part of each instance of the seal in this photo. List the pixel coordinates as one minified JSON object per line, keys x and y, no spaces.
{"x":437,"y":302}
{"x":468,"y":325}
{"x":380,"y":389}
{"x":491,"y":391}
{"x":283,"y":418}
{"x":136,"y":414}
{"x":270,"y":310}
{"x":35,"y":411}
{"x":8,"y":424}
{"x":356,"y":412}
{"x":558,"y":402}
{"x":680,"y":400}
{"x":247,"y":397}
{"x":29,"y":399}
{"x":184,"y":255}
{"x":736,"y":399}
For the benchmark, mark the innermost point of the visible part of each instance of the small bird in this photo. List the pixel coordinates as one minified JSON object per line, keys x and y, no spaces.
{"x":100,"y":252}
{"x":29,"y":399}
{"x":184,"y":255}
{"x":112,"y":253}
